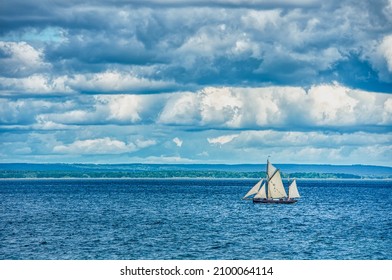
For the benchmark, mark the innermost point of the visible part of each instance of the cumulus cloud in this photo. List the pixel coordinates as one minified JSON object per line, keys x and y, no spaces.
{"x":121,"y":107}
{"x":237,"y":74}
{"x":330,"y":106}
{"x":19,"y":59}
{"x":220,"y":42}
{"x":107,"y":109}
{"x":326,"y":106}
{"x":180,"y":109}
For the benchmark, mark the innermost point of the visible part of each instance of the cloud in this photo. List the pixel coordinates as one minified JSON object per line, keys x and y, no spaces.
{"x":226,"y":43}
{"x":107,"y":109}
{"x":325,"y":106}
{"x":36,"y":84}
{"x":386,"y":51}
{"x":27,"y":111}
{"x":101,"y":146}
{"x":121,"y":107}
{"x":114,"y":81}
{"x":306,"y":147}
{"x":180,"y":109}
{"x":178,"y":141}
{"x":251,"y":77}
{"x":224,"y":139}
{"x":19,"y":59}
{"x":95,"y":146}
{"x":271,"y":138}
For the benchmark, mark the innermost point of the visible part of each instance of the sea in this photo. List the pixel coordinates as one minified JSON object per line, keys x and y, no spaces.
{"x":192,"y":219}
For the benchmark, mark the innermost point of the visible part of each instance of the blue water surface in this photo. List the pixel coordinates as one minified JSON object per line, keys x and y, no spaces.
{"x":192,"y":219}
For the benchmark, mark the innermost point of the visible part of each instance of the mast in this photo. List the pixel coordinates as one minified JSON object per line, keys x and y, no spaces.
{"x":269,"y":173}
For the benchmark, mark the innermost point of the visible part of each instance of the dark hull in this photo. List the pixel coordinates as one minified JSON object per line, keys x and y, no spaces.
{"x":274,"y":201}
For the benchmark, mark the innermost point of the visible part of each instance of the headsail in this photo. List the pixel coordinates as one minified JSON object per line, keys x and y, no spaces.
{"x":254,"y":190}
{"x":293,"y":190}
{"x":261,"y":193}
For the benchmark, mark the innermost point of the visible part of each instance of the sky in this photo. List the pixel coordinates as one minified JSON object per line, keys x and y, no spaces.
{"x":198,"y":81}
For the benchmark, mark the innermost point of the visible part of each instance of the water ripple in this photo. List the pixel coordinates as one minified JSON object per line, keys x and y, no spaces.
{"x":192,"y":219}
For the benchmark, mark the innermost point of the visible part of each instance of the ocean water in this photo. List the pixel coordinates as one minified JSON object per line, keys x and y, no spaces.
{"x":192,"y":219}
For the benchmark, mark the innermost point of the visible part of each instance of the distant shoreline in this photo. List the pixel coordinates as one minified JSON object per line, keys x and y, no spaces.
{"x":190,"y":171}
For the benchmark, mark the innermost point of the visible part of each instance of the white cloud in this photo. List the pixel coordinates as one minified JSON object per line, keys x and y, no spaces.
{"x":141,"y":143}
{"x":177,"y":141}
{"x":19,"y":59}
{"x":96,"y":146}
{"x":321,"y":106}
{"x":113,"y":81}
{"x":181,"y":108}
{"x":304,"y":147}
{"x":36,"y":84}
{"x":385,"y":48}
{"x":105,"y":145}
{"x":261,"y":19}
{"x":121,"y":107}
{"x":272,"y":138}
{"x":221,"y":106}
{"x":107,"y":109}
{"x":379,"y":54}
{"x":224,"y":139}
{"x":50,"y":125}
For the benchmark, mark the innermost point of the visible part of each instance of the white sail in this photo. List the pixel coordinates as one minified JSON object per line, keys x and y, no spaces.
{"x":293,"y":190}
{"x":254,"y":189}
{"x":261,"y":193}
{"x":270,"y":169}
{"x":275,"y":186}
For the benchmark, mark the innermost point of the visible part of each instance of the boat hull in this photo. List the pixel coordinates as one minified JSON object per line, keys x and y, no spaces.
{"x":274,"y":201}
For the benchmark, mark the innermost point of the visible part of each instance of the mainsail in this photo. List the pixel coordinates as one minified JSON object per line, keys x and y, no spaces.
{"x":275,"y":184}
{"x":270,"y":170}
{"x":254,"y":190}
{"x":293,"y":190}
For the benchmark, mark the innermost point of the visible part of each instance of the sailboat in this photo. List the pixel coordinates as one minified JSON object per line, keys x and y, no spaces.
{"x":272,"y":190}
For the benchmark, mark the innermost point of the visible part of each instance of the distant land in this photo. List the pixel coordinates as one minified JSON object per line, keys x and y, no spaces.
{"x":136,"y":170}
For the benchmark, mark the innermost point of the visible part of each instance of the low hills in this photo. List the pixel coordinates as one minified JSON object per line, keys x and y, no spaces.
{"x":136,"y":170}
